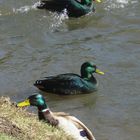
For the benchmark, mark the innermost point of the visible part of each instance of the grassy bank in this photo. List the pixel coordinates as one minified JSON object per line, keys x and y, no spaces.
{"x":17,"y":124}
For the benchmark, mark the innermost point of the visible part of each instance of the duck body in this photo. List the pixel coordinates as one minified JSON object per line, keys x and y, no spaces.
{"x":70,"y":124}
{"x":67,"y":84}
{"x":71,"y":83}
{"x":74,"y":8}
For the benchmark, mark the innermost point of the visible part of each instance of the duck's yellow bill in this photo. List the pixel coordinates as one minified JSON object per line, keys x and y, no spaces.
{"x":24,"y":103}
{"x":99,"y":72}
{"x":98,"y":1}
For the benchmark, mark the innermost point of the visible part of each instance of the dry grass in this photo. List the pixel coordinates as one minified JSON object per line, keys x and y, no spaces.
{"x":18,"y":124}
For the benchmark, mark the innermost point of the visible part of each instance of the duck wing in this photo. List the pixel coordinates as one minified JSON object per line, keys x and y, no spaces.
{"x":63,"y":84}
{"x":77,"y":123}
{"x":81,"y":125}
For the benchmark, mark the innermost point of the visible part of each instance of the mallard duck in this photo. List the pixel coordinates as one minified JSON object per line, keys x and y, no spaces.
{"x":70,"y":83}
{"x":75,"y":8}
{"x":70,"y":124}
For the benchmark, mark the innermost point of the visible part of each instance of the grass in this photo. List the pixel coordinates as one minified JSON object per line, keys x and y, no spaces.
{"x":3,"y":136}
{"x":18,"y":124}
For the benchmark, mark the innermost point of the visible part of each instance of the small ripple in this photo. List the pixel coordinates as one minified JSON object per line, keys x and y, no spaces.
{"x":57,"y":20}
{"x":26,"y":9}
{"x":115,"y":4}
{"x":4,"y":56}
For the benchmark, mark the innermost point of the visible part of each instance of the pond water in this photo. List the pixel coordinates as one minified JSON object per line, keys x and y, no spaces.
{"x":36,"y":43}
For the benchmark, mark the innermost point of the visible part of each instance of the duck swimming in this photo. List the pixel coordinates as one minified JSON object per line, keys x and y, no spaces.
{"x":70,"y":83}
{"x":70,"y":124}
{"x":75,"y":8}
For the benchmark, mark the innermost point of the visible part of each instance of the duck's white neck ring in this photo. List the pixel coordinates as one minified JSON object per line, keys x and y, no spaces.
{"x":45,"y":110}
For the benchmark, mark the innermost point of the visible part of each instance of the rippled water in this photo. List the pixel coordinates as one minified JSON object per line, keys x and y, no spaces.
{"x":36,"y":43}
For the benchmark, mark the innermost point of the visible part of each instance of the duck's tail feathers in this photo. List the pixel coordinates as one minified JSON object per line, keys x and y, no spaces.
{"x":39,"y":84}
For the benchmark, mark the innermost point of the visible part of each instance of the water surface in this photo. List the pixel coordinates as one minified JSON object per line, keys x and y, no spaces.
{"x":37,"y":43}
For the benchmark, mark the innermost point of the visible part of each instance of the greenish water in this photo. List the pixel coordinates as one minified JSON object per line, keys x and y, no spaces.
{"x":36,"y":43}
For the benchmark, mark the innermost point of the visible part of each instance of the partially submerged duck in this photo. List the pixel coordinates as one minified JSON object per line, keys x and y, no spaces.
{"x":75,"y":8}
{"x":70,"y":83}
{"x":70,"y":124}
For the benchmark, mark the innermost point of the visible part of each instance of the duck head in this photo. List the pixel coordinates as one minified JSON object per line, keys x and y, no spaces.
{"x":88,"y":68}
{"x":34,"y":100}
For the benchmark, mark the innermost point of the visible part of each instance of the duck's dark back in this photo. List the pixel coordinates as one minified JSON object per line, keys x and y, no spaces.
{"x":65,"y":84}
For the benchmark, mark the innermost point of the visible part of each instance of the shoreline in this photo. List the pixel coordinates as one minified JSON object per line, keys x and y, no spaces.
{"x":18,"y":124}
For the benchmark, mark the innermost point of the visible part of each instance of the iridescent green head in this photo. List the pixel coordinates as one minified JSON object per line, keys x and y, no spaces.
{"x":34,"y":100}
{"x":88,"y":68}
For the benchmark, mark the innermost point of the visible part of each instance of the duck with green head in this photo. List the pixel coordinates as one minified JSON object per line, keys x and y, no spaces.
{"x":70,"y":83}
{"x":74,"y":8}
{"x":70,"y":124}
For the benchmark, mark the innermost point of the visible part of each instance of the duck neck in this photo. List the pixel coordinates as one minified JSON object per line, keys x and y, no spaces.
{"x":42,"y":107}
{"x":42,"y":110}
{"x":86,"y":75}
{"x":42,"y":113}
{"x":46,"y":115}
